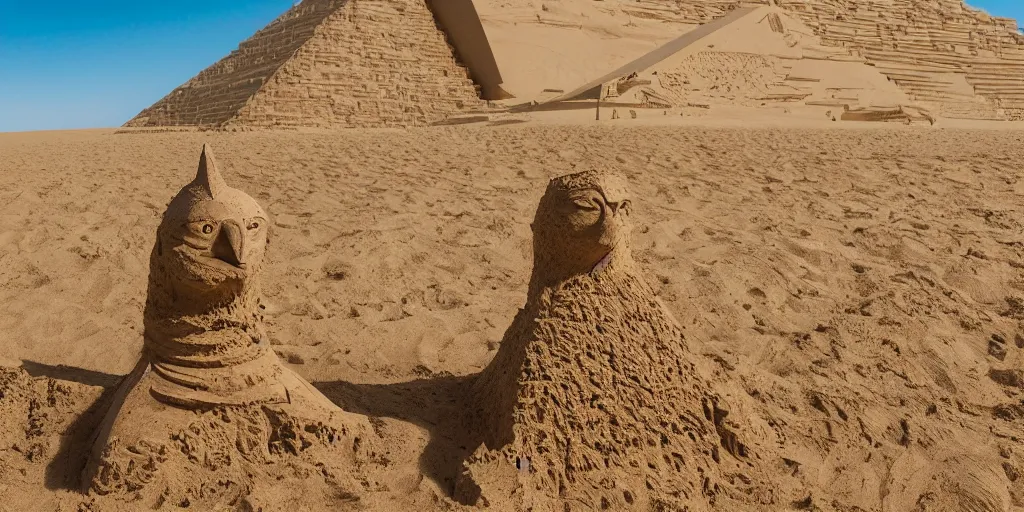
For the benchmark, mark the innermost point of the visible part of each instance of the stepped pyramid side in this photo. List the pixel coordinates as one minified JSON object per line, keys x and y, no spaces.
{"x":944,"y":52}
{"x":219,"y":91}
{"x":329,"y":64}
{"x":370,"y":63}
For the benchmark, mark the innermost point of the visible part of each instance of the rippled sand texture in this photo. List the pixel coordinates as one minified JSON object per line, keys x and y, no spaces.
{"x":863,"y":287}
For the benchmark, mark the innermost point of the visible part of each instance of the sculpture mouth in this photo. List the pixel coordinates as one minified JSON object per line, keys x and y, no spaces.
{"x":229,"y":262}
{"x":224,"y":264}
{"x":219,"y":269}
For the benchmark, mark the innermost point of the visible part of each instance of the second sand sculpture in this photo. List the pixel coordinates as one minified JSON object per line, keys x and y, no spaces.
{"x":593,"y":398}
{"x":209,"y":407}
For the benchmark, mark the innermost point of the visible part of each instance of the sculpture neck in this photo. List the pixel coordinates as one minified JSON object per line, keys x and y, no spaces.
{"x":551,"y":270}
{"x":191,"y":327}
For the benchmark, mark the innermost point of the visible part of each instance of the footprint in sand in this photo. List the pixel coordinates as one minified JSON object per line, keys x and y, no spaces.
{"x":98,"y":292}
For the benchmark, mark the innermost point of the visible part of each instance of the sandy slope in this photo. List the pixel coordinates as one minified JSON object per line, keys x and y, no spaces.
{"x":564,"y":44}
{"x":864,"y":287}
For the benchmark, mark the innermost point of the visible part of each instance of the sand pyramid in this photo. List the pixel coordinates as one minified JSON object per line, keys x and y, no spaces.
{"x":594,"y":398}
{"x":328,"y":63}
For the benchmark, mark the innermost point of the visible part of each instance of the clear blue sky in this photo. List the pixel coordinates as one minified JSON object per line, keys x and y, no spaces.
{"x":82,"y":64}
{"x":97,"y":63}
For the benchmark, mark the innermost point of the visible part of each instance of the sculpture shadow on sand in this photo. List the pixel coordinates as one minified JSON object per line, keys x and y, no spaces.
{"x":436,"y":404}
{"x":64,"y":471}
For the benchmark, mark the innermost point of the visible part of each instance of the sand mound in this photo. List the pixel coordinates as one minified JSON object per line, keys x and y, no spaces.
{"x":45,"y":423}
{"x":594,"y":397}
{"x":950,"y":478}
{"x":209,"y":416}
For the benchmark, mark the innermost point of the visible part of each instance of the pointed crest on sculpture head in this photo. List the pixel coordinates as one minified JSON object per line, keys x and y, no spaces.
{"x":208,"y":176}
{"x":207,"y":189}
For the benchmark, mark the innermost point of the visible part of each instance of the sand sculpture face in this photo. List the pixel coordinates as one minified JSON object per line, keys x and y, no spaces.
{"x":212,"y":235}
{"x":204,"y":334}
{"x":581,"y":222}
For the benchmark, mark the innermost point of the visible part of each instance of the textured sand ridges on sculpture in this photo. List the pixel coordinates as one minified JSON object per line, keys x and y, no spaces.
{"x":593,"y":397}
{"x":862,"y":286}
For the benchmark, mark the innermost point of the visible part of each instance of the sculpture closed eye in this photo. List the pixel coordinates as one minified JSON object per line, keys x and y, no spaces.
{"x":590,"y":200}
{"x":590,"y":207}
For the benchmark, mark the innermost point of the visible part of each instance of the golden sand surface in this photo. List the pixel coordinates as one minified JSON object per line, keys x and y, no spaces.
{"x":862,"y":289}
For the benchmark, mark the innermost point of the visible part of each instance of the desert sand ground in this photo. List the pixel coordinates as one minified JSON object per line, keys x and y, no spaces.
{"x":863,"y":286}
